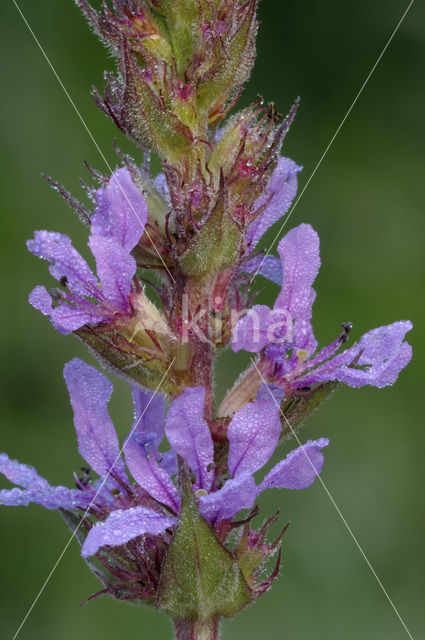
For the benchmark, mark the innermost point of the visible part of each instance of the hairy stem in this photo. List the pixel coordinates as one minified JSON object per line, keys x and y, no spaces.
{"x":197,"y":630}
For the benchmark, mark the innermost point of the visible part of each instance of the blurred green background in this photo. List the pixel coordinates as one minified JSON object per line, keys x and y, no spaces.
{"x":366,"y":201}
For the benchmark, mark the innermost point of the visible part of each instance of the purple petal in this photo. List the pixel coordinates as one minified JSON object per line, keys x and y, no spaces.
{"x":299,"y":469}
{"x":89,"y":391}
{"x":149,"y":416}
{"x":259,"y":327}
{"x":41,"y":300}
{"x":253,"y":434}
{"x":124,"y":525}
{"x":65,"y":317}
{"x":236,"y":494}
{"x":250,"y":332}
{"x":115,"y":268}
{"x":161,"y":185}
{"x":21,"y":474}
{"x":147,"y":472}
{"x":299,"y":253}
{"x":282,"y":187}
{"x":49,"y":497}
{"x":168,"y":462}
{"x":121,"y":211}
{"x":189,"y":434}
{"x":269,"y":267}
{"x":376,"y":360}
{"x":65,"y":261}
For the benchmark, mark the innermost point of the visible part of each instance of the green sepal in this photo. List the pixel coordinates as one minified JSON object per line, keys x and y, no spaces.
{"x":298,"y":408}
{"x":200,"y":579}
{"x":231,"y":68}
{"x":216,"y":246}
{"x":121,"y":356}
{"x":151,"y":121}
{"x":182,"y":18}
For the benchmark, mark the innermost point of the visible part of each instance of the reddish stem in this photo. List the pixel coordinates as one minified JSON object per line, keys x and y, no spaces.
{"x":197,"y":630}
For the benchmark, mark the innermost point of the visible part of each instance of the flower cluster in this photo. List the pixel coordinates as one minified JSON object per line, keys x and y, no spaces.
{"x":167,"y":518}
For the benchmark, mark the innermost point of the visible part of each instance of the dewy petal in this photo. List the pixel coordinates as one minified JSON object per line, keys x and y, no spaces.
{"x":168,"y":462}
{"x":236,"y":494}
{"x":41,"y":300}
{"x":149,"y":475}
{"x":251,"y":331}
{"x":49,"y":497}
{"x":89,"y":391}
{"x":253,"y":434}
{"x":189,"y":434}
{"x":299,"y":253}
{"x":124,"y":525}
{"x":21,"y":474}
{"x":299,"y":469}
{"x":115,"y":268}
{"x":65,"y":317}
{"x":121,"y":211}
{"x":149,"y":416}
{"x":282,"y":187}
{"x":269,"y":267}
{"x":65,"y":261}
{"x":376,"y":360}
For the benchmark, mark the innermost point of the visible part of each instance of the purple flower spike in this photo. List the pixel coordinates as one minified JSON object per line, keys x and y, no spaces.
{"x":253,"y":435}
{"x":124,"y":525}
{"x":121,"y":211}
{"x":277,"y":198}
{"x":89,"y":391}
{"x":189,"y":434}
{"x":299,"y":469}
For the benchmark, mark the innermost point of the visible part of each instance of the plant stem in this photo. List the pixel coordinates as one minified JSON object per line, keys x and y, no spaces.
{"x":197,"y":629}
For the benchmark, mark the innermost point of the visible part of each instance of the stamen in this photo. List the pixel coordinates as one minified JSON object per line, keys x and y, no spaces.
{"x":302,"y":354}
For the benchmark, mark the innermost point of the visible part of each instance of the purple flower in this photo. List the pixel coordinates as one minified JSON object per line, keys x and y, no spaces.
{"x":275,"y":202}
{"x":116,"y":227}
{"x":126,"y":510}
{"x":284,"y":335}
{"x":276,"y":199}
